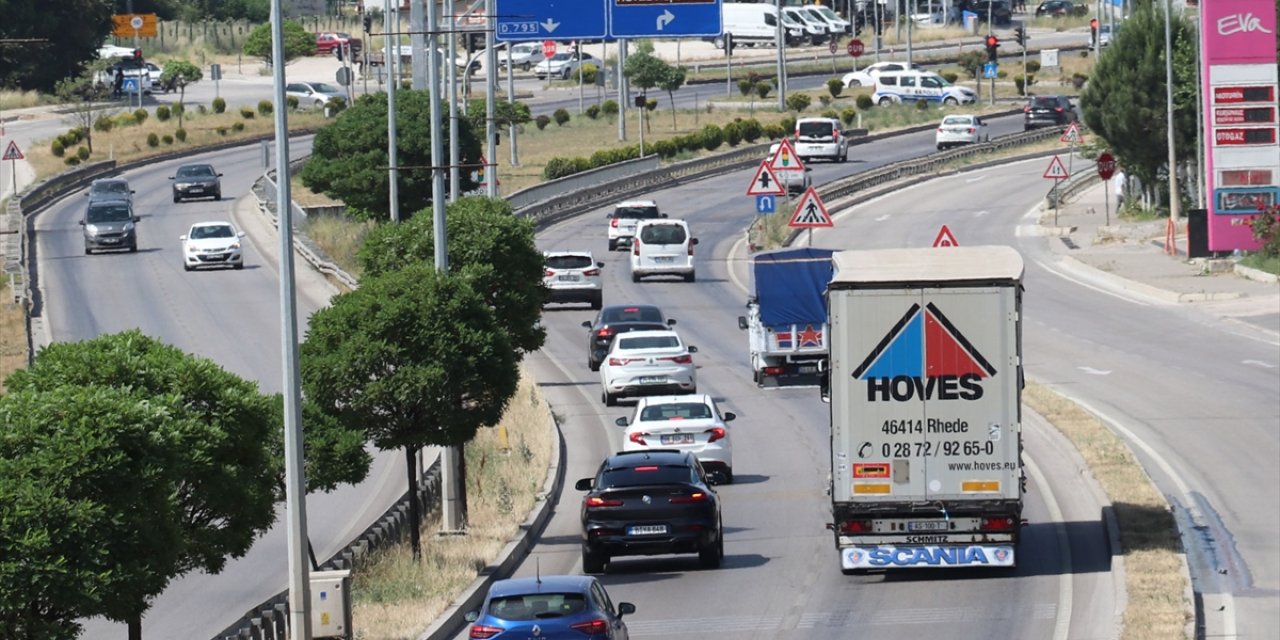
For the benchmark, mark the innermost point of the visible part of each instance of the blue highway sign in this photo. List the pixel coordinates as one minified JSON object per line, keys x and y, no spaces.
{"x":664,"y":18}
{"x":990,"y":70}
{"x":766,"y":204}
{"x":525,"y":20}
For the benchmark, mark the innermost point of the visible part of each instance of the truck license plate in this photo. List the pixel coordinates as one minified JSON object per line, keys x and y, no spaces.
{"x":808,"y":369}
{"x":929,"y":525}
{"x":646,"y":529}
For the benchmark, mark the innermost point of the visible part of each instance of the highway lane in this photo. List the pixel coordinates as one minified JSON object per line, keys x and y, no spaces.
{"x":229,"y":316}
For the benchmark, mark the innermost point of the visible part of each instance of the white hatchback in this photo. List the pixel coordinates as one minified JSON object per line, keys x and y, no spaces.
{"x":641,"y":363}
{"x":212,"y":244}
{"x":572,"y":276}
{"x":688,"y":423}
{"x":662,"y":248}
{"x":961,"y":128}
{"x":624,"y":218}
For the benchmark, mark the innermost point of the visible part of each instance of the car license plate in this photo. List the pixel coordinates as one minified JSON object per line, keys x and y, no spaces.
{"x":664,"y":259}
{"x":808,"y":369}
{"x":110,"y":240}
{"x":652,"y":380}
{"x":678,"y":438}
{"x":931,"y":525}
{"x":646,"y":529}
{"x":196,"y":189}
{"x":567,"y":278}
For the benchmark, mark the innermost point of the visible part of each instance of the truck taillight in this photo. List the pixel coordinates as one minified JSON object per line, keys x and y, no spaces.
{"x":855,"y":526}
{"x":773,"y":371}
{"x":716,"y":434}
{"x":638,"y":438}
{"x":997,"y":524}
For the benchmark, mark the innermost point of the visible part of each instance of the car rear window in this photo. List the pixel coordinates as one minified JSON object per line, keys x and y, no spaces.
{"x":568,"y":262}
{"x":537,"y":605}
{"x":814,"y":129}
{"x":663,"y":234}
{"x":632,"y":314}
{"x":644,"y":475}
{"x":648,"y":342}
{"x":1047,"y":103}
{"x":676,"y":410}
{"x":636,"y":213}
{"x":957,"y":120}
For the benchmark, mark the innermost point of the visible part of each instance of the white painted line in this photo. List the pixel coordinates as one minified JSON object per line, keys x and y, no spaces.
{"x":976,"y":178}
{"x":1062,"y":625}
{"x":733,"y":276}
{"x":883,"y":218}
{"x":981,"y":213}
{"x":1258,"y":363}
{"x":1095,"y":372}
{"x":1086,"y":285}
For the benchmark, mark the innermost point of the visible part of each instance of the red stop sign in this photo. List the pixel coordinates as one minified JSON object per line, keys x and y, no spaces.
{"x":1106,"y":166}
{"x":548,"y":48}
{"x":855,"y":48}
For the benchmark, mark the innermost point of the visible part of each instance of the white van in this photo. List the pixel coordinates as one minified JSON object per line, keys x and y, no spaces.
{"x":662,"y":247}
{"x":836,"y":25}
{"x":755,"y":24}
{"x":815,"y":31}
{"x":913,"y":86}
{"x":821,"y":138}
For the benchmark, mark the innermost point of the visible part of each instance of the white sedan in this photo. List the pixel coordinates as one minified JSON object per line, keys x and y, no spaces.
{"x":961,"y":129}
{"x":688,"y":423}
{"x":641,"y":363}
{"x":563,"y":65}
{"x":867,"y":77}
{"x":212,"y":244}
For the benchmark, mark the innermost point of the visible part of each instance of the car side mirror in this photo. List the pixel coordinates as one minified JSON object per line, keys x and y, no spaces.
{"x":219,"y":175}
{"x":171,"y":177}
{"x":586,"y":323}
{"x":137,"y":218}
{"x":808,"y":169}
{"x":471,"y":616}
{"x":180,"y":238}
{"x":240,"y":234}
{"x":86,"y":194}
{"x":600,"y":264}
{"x":693,"y":241}
{"x":622,"y":422}
{"x":671,"y":322}
{"x":742,"y":322}
{"x":131,"y":192}
{"x":730,"y":416}
{"x":663,"y":215}
{"x":693,"y":349}
{"x":584,"y":484}
{"x":625,"y":608}
{"x":82,"y":223}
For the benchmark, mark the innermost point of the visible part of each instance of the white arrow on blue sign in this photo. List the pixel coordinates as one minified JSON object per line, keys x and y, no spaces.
{"x":664,"y":18}
{"x":525,"y":20}
{"x":766,"y":204}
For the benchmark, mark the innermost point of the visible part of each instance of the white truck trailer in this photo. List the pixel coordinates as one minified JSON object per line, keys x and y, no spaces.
{"x":925,"y":385}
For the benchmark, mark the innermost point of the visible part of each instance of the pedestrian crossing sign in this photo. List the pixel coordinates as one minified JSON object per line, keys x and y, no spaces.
{"x":12,"y":152}
{"x":785,"y":158}
{"x":1072,"y":134}
{"x":810,"y":212}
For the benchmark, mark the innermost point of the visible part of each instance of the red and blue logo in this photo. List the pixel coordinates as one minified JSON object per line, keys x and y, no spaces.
{"x":924,"y":357}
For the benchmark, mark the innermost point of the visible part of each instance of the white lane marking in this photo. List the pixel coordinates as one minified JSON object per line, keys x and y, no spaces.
{"x":981,"y":213}
{"x":1086,"y":285}
{"x":1095,"y":372}
{"x":731,"y":261}
{"x":883,"y":218}
{"x":1062,"y":625}
{"x":976,"y":178}
{"x":1258,"y":363}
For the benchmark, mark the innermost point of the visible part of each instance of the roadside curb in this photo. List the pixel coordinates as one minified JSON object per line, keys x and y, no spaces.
{"x":1256,"y":274}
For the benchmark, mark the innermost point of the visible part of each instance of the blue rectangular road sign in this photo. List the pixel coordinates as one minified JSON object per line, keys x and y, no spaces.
{"x":990,"y":70}
{"x":664,"y":18}
{"x":766,"y":204}
{"x":525,"y":20}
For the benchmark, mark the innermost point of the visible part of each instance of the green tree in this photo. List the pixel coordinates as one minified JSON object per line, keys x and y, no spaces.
{"x":349,"y":155}
{"x":82,"y":93}
{"x":645,"y":71}
{"x":671,"y":81}
{"x":505,"y":114}
{"x":1124,"y":101}
{"x":71,"y":31}
{"x":298,"y":42}
{"x":414,"y":357}
{"x":486,"y":240}
{"x":180,"y":73}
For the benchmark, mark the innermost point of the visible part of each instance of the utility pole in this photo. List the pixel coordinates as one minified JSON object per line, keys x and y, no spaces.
{"x":418,"y":43}
{"x":295,"y":479}
{"x":623,"y":85}
{"x":1168,"y":86}
{"x":452,"y":74}
{"x":393,"y":160}
{"x":782,"y":60}
{"x":491,"y":82}
{"x":511,"y":98}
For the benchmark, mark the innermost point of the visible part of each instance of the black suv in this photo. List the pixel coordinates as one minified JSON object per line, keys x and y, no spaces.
{"x":998,"y":10}
{"x":1048,"y":111}
{"x":1060,"y":8}
{"x":620,"y":318}
{"x":643,"y":503}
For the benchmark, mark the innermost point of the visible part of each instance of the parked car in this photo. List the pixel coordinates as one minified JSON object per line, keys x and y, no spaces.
{"x":866,"y":77}
{"x":617,"y":319}
{"x":1061,"y":8}
{"x":573,"y":276}
{"x":549,"y":607}
{"x":998,"y":10}
{"x":624,"y":218}
{"x":327,"y":42}
{"x":643,"y":363}
{"x":663,"y":248}
{"x":109,"y":224}
{"x":196,"y":181}
{"x":650,"y":503}
{"x":523,"y":56}
{"x":793,"y":181}
{"x":314,"y":94}
{"x":1048,"y":111}
{"x":563,"y":65}
{"x":684,"y":423}
{"x":836,"y":25}
{"x":961,"y":128}
{"x":212,"y":244}
{"x":109,"y":189}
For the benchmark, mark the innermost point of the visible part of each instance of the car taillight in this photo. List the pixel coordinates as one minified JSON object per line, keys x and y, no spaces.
{"x":596,"y":501}
{"x":690,"y":249}
{"x":970,"y":129}
{"x":592,"y":627}
{"x":621,"y":362}
{"x":684,"y":359}
{"x":635,"y":247}
{"x":604,"y":332}
{"x":613,"y":223}
{"x":855,"y":526}
{"x":638,"y":438}
{"x":941,"y":130}
{"x":1026,"y":109}
{"x":716,"y":434}
{"x":696,"y":496}
{"x":591,"y":273}
{"x":1058,"y":109}
{"x":484,"y":631}
{"x":996,"y":524}
{"x":548,"y":273}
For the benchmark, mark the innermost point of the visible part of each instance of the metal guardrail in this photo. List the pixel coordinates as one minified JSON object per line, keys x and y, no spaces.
{"x":1063,"y":192}
{"x":265,"y":191}
{"x":578,"y":181}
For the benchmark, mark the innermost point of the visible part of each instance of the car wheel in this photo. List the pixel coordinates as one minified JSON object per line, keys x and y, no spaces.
{"x":610,"y":400}
{"x":728,"y":475}
{"x":613,"y":245}
{"x":593,"y":365}
{"x":592,"y":562}
{"x":186,"y":267}
{"x":525,"y":67}
{"x":951,"y":102}
{"x":597,"y":302}
{"x":319,"y":104}
{"x":133,"y":248}
{"x":691,"y":277}
{"x":239,"y":266}
{"x":635,"y":277}
{"x":564,"y":75}
{"x":853,"y":83}
{"x":711,"y":556}
{"x":217,"y":196}
{"x":941,"y":147}
{"x":718,"y":42}
{"x":88,"y":251}
{"x":176,"y":199}
{"x":886,"y":101}
{"x":844,"y":157}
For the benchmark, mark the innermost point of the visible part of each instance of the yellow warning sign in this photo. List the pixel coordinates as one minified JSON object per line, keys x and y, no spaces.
{"x":128,"y":25}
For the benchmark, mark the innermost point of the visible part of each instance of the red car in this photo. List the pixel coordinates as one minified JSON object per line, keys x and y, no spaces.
{"x":328,"y":41}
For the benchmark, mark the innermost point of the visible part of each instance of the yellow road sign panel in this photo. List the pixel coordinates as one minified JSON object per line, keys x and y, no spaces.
{"x":128,"y":25}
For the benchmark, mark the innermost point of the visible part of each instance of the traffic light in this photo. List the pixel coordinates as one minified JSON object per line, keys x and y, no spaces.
{"x":993,"y":43}
{"x":1093,"y":32}
{"x":137,"y":56}
{"x":1020,"y":34}
{"x":337,"y":51}
{"x":368,"y":23}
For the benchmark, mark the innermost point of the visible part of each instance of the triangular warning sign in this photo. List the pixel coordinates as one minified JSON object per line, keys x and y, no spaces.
{"x":765,"y":182}
{"x":1056,"y":170}
{"x":785,"y":158}
{"x":1072,"y":134}
{"x":12,"y":152}
{"x":810,"y":212}
{"x":945,"y":238}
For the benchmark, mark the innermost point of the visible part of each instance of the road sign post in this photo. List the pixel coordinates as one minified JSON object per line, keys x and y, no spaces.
{"x":1056,"y":172}
{"x":13,"y":154}
{"x":1106,"y":168}
{"x":810,"y":213}
{"x":831,"y":47}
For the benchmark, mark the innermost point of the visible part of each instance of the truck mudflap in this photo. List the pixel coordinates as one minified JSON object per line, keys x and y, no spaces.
{"x":926,"y":556}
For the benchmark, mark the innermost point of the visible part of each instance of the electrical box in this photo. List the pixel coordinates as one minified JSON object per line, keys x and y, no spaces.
{"x":331,"y":604}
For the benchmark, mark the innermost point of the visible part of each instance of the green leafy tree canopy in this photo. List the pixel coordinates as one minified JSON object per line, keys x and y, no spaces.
{"x":180,"y":72}
{"x":298,"y":42}
{"x":72,"y":29}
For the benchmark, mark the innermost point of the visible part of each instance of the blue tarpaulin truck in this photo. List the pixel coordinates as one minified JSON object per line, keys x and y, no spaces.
{"x":786,"y":319}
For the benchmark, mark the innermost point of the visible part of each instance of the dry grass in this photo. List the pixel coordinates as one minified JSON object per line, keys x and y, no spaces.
{"x":397,"y":598}
{"x":340,"y":238}
{"x":10,"y":99}
{"x":13,"y":335}
{"x":1148,"y":535}
{"x":306,"y":197}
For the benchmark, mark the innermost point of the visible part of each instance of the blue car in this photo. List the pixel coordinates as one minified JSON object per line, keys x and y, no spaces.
{"x":550,"y":607}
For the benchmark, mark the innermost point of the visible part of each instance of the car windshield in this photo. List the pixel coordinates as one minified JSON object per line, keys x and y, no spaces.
{"x":825,"y":11}
{"x":537,"y":605}
{"x":342,"y":35}
{"x":561,"y":56}
{"x":212,"y":231}
{"x":817,"y":129}
{"x":646,"y":475}
{"x":676,"y":411}
{"x":320,"y":87}
{"x":568,"y":262}
{"x":109,"y":213}
{"x":663,"y":234}
{"x":632,"y":314}
{"x":647,"y":342}
{"x":636,"y":212}
{"x":196,"y":171}
{"x":110,"y":187}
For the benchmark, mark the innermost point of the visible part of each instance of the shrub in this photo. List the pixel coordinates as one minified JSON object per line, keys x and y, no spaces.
{"x":561,"y":116}
{"x":609,"y":108}
{"x":751,"y":130}
{"x":588,"y":73}
{"x":746,"y":87}
{"x":651,"y":104}
{"x":82,"y":153}
{"x":603,"y":157}
{"x":951,"y":76}
{"x":222,"y":131}
{"x":237,"y":126}
{"x":1078,"y":80}
{"x":835,"y":86}
{"x":733,"y":133}
{"x":582,"y":164}
{"x":202,"y":110}
{"x":247,"y":113}
{"x":593,"y":111}
{"x":762,"y":89}
{"x":774,"y":131}
{"x":922,"y":105}
{"x":167,"y":139}
{"x":140,"y":115}
{"x":336,"y":104}
{"x":1021,"y":84}
{"x":824,"y":100}
{"x":71,"y":161}
{"x":1266,"y":230}
{"x":1002,"y":74}
{"x":972,"y":61}
{"x":219,"y":105}
{"x":831,"y":113}
{"x":56,"y":148}
{"x":1033,"y":66}
{"x":292,"y":102}
{"x":788,"y":125}
{"x":542,"y":121}
{"x":665,"y":148}
{"x":559,"y":168}
{"x":265,"y":107}
{"x":153,"y":140}
{"x":162,"y":113}
{"x":712,"y":137}
{"x":848,"y":116}
{"x":177,"y":109}
{"x":864,"y":102}
{"x":181,"y":135}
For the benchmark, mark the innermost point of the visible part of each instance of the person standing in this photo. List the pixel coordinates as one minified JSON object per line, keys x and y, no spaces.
{"x":118,"y":87}
{"x":1118,"y":180}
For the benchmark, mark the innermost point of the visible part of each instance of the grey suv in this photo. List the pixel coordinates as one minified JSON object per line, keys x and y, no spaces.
{"x":109,"y":225}
{"x":109,"y":189}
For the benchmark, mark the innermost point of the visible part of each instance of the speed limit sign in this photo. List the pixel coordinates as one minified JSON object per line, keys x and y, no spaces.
{"x":832,"y":46}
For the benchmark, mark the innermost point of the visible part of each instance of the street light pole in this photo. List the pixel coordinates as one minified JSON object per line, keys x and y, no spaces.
{"x":1168,"y":82}
{"x":393,"y":160}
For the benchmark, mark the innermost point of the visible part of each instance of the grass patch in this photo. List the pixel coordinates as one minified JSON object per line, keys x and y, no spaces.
{"x":10,"y":99}
{"x":13,"y":334}
{"x":339,"y":237}
{"x":1137,"y":213}
{"x":1148,"y":535}
{"x":395,"y":597}
{"x":1270,"y":264}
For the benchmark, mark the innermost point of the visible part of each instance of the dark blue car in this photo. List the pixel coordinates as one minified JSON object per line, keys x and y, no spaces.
{"x":550,"y":607}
